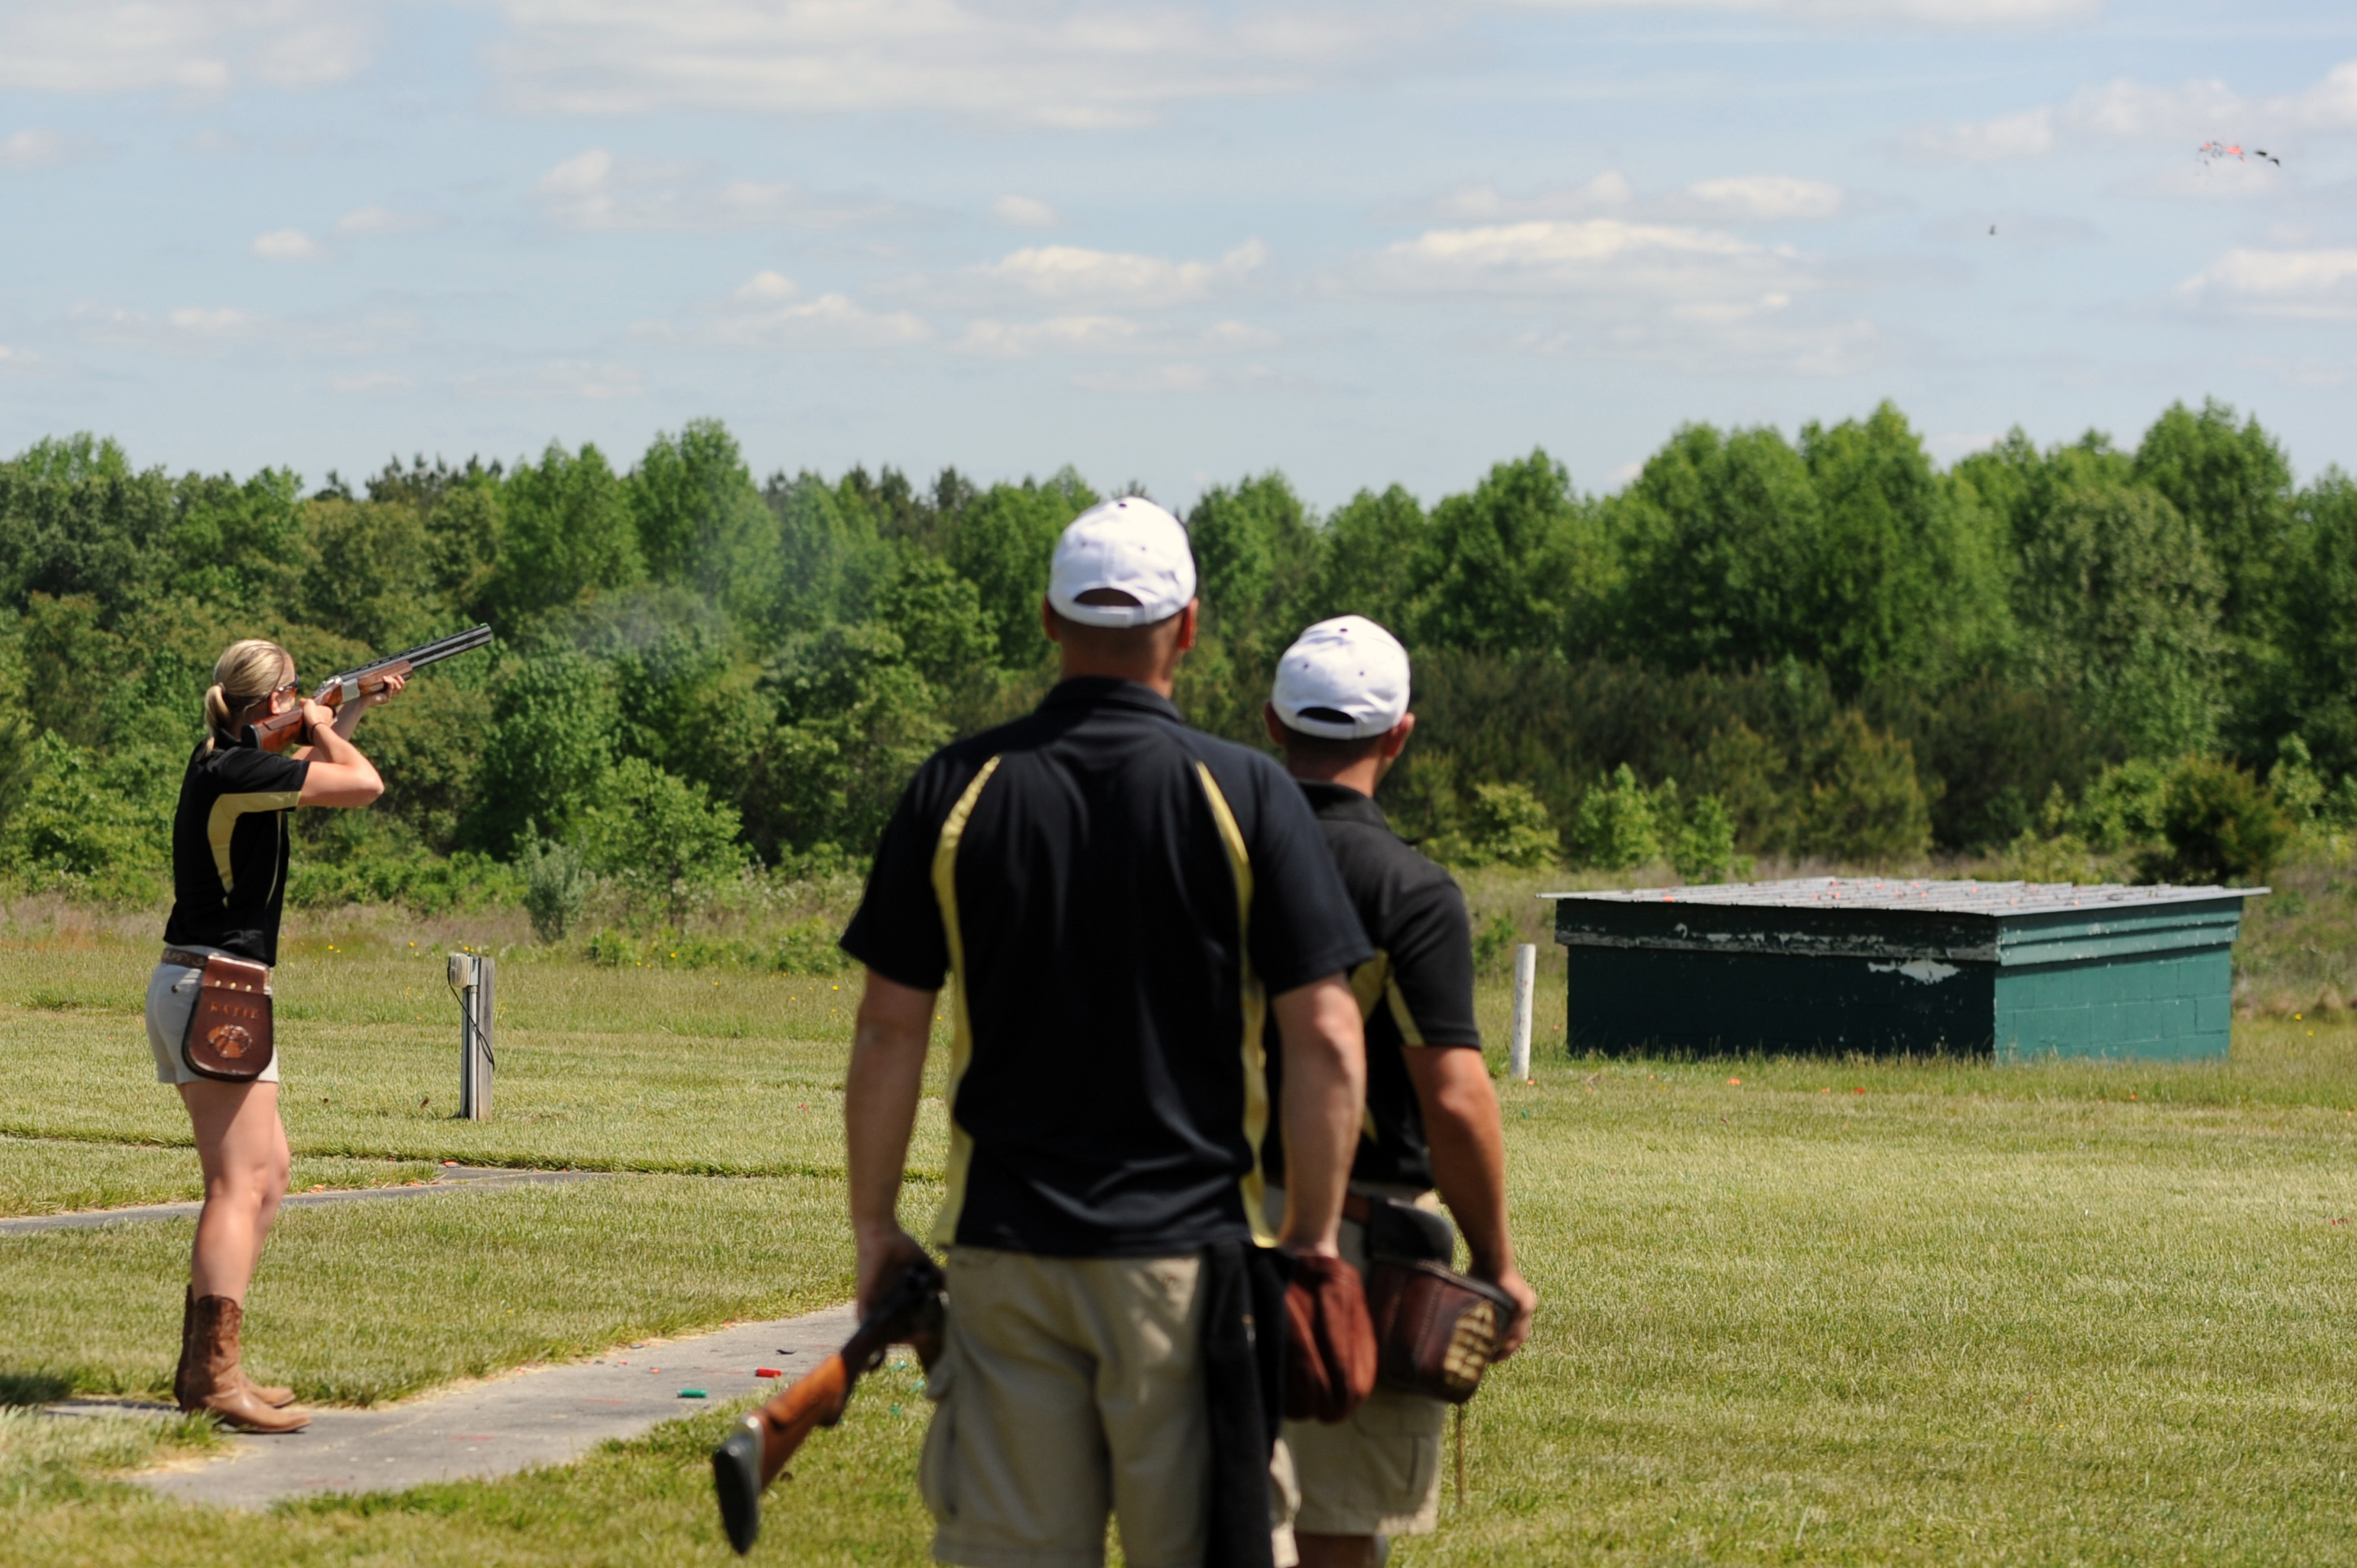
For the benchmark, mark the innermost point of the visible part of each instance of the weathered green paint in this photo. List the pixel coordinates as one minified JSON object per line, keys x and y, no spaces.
{"x":1831,"y":966}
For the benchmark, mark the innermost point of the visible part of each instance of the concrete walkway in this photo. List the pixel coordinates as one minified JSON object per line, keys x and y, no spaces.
{"x":449,"y":1179}
{"x":544,"y":1415}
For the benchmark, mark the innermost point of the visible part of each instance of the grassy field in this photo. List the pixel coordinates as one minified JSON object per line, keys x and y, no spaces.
{"x":1795,"y":1312}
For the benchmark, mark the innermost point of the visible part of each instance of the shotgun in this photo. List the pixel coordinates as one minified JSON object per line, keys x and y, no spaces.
{"x":743,"y":1466}
{"x":279,"y":731}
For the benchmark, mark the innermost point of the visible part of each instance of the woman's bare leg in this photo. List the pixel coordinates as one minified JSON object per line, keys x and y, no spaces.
{"x":242,"y":1146}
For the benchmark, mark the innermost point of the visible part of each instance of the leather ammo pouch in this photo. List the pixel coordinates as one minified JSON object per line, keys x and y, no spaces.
{"x":1436,"y":1329}
{"x":229,"y":1029}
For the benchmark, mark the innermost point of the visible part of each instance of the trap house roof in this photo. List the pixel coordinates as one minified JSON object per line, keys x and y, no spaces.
{"x":1885,"y":964}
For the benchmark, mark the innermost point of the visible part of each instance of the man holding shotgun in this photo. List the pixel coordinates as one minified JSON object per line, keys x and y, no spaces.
{"x":1126,"y":903}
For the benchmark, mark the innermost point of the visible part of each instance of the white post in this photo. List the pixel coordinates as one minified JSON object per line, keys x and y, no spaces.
{"x":1527,"y":977}
{"x":470,"y":976}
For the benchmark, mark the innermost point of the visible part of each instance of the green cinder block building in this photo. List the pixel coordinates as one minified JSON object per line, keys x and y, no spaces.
{"x":1834,"y":965}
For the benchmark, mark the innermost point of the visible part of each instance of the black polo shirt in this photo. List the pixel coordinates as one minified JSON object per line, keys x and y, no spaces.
{"x":1417,"y":991}
{"x":1117,"y":896}
{"x":229,"y":848}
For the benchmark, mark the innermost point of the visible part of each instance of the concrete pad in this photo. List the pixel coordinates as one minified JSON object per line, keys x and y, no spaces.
{"x":450,"y":1178}
{"x":542,"y":1415}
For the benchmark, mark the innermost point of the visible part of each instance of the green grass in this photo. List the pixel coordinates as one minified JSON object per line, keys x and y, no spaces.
{"x":2047,"y":1313}
{"x":603,"y":1070}
{"x":361,"y":1301}
{"x":55,"y":1176}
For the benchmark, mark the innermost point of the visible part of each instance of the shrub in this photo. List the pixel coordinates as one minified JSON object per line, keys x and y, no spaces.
{"x":659,"y":835}
{"x":555,"y":883}
{"x":1616,"y":827}
{"x":1506,"y":825}
{"x":1703,"y":849}
{"x":2220,"y":824}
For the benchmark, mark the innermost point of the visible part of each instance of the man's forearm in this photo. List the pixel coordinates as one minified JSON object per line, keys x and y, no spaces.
{"x":1324,"y":1096}
{"x":1469,"y":1152}
{"x":881,"y":1088}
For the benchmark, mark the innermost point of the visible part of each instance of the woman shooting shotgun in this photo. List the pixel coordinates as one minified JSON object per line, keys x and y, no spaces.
{"x":209,"y":1001}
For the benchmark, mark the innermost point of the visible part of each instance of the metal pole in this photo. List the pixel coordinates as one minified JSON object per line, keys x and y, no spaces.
{"x":470,"y":977}
{"x":482,"y":1044}
{"x":1526,"y":976}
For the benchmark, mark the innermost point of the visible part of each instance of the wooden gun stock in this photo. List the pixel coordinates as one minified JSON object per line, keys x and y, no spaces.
{"x":754,"y":1454}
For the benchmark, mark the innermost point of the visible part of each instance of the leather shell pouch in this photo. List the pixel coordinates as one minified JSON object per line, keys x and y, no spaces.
{"x":229,"y":1035}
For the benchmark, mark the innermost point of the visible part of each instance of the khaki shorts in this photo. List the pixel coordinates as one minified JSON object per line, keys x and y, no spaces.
{"x":171,"y":997}
{"x":1071,"y":1389}
{"x":1377,"y":1472}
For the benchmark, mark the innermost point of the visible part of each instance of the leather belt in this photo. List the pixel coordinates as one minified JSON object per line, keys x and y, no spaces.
{"x":184,"y":958}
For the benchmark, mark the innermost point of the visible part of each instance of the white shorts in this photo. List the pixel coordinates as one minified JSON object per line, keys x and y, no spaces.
{"x":171,"y":997}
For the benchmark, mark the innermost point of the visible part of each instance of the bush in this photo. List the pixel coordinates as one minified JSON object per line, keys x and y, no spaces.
{"x":2221,"y":825}
{"x":1703,"y":849}
{"x":658,"y":835}
{"x":1505,"y":825}
{"x":555,"y":884}
{"x":1616,"y":827}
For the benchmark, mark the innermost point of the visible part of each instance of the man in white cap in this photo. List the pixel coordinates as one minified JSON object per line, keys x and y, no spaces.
{"x":1123,"y":902}
{"x":1339,"y":709}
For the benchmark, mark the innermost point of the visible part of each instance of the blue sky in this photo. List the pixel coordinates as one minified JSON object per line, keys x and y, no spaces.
{"x":1364,"y":243}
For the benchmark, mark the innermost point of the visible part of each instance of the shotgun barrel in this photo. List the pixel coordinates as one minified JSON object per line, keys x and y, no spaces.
{"x":280,"y":730}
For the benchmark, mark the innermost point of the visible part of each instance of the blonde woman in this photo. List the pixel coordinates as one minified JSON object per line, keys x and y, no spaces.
{"x":228,"y":884}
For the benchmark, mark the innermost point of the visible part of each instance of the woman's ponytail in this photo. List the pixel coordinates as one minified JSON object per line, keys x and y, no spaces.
{"x":215,"y":712}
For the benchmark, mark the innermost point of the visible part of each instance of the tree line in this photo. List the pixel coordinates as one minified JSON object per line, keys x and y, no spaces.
{"x":1820,"y":645}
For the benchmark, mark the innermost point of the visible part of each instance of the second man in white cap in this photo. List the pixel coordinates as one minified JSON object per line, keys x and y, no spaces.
{"x":1339,"y":710}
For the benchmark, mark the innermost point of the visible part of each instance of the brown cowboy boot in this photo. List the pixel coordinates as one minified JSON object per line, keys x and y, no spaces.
{"x":276,"y":1396}
{"x":215,"y":1380}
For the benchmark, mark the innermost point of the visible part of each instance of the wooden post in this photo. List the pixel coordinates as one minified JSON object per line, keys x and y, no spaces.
{"x":1527,"y":977}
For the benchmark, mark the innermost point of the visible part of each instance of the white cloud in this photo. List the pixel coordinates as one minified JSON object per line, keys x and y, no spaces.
{"x":1766,"y":198}
{"x":2194,"y":109}
{"x":768,"y":311}
{"x":1179,"y":378}
{"x":32,"y":149}
{"x":597,"y":190}
{"x":370,"y":381}
{"x":1070,"y":63}
{"x":1108,"y":335}
{"x":205,"y":329}
{"x":1596,"y":255}
{"x":2311,"y":285}
{"x":1958,"y":14}
{"x":193,"y":46}
{"x":2029,"y":135}
{"x":1024,"y":212}
{"x":562,"y":381}
{"x":1608,"y":192}
{"x":287,"y":245}
{"x":1067,"y":273}
{"x":369,"y":222}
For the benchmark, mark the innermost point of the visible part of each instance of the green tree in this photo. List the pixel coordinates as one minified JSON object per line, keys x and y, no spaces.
{"x":2119,"y":603}
{"x":2233,"y":484}
{"x":1002,"y":545}
{"x":702,"y":523}
{"x":2319,"y":621}
{"x":659,"y":835}
{"x":568,"y":532}
{"x":372,"y":575}
{"x":1516,"y":564}
{"x":1374,"y":545}
{"x":550,"y":747}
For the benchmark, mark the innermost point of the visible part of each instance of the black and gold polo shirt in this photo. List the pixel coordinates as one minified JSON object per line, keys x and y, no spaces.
{"x":1117,"y":896}
{"x":1417,"y":991}
{"x":229,"y":848}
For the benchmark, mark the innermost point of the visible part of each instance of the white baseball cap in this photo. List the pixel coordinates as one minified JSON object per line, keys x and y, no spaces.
{"x":1130,"y":544}
{"x":1344,"y":679}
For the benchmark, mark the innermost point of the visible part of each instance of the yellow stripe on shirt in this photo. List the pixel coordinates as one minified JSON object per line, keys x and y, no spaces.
{"x":222,"y":824}
{"x":1255,"y":1054}
{"x":945,"y":1223}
